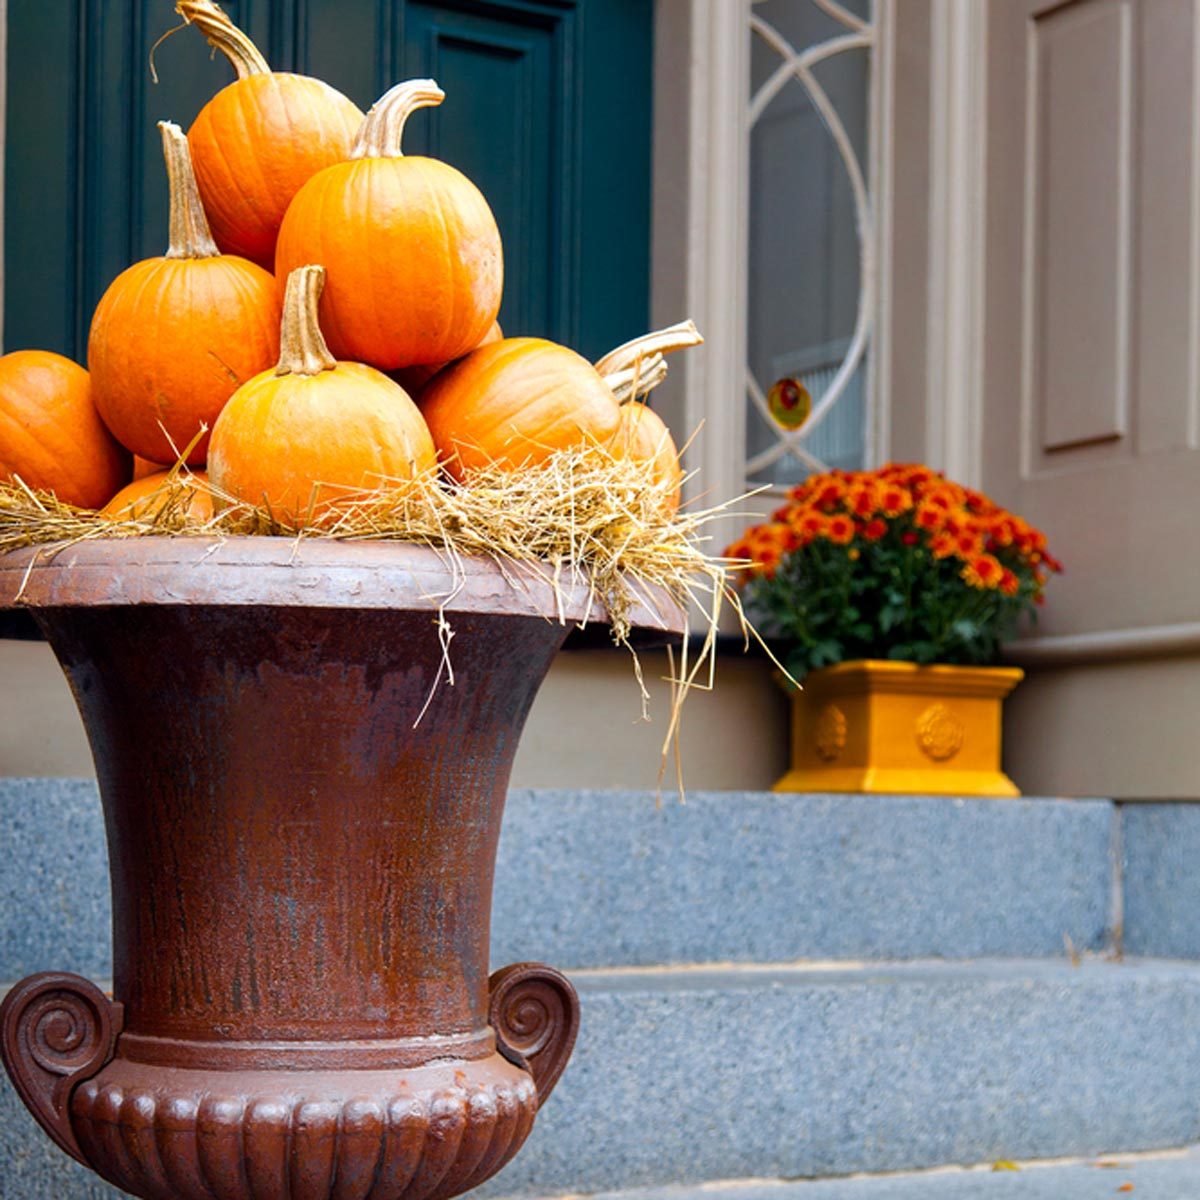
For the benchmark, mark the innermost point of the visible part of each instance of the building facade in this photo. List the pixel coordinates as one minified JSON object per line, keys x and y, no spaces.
{"x":970,"y":227}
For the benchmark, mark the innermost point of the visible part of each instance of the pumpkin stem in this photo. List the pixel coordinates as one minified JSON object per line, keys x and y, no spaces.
{"x":302,"y":345}
{"x":190,"y":234}
{"x":382,"y":129}
{"x":224,"y":35}
{"x":677,"y":337}
{"x":639,"y":380}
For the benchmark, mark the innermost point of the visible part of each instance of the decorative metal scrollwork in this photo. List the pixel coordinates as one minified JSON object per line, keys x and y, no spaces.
{"x":56,"y":1030}
{"x":798,"y":65}
{"x":534,"y":1011}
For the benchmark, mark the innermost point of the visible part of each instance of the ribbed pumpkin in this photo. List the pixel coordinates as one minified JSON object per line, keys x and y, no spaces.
{"x":174,"y":337}
{"x":146,"y":497}
{"x":259,"y":140}
{"x":299,"y":438}
{"x":410,"y":244}
{"x":50,"y":433}
{"x":514,"y":403}
{"x":633,"y":371}
{"x":644,"y":437}
{"x":413,"y":379}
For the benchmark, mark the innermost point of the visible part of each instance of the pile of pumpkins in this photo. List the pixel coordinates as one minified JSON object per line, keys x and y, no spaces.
{"x":326,"y":311}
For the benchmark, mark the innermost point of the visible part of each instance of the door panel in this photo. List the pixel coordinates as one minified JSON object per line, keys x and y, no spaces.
{"x":507,"y":122}
{"x":548,"y":109}
{"x":1092,"y":286}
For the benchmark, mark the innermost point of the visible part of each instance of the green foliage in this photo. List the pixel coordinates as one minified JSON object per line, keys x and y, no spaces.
{"x":827,"y":603}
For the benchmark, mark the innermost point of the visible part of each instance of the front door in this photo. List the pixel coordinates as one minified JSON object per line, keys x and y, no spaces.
{"x":1092,"y":329}
{"x":548,"y":109}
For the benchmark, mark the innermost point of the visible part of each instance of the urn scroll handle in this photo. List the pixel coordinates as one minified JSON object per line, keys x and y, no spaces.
{"x":534,"y":1011}
{"x":56,"y":1030}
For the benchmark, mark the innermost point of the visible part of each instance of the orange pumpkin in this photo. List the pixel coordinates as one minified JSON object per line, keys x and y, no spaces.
{"x":259,"y":140}
{"x":413,"y":379}
{"x":643,"y":436}
{"x":298,"y":439}
{"x":174,"y":337}
{"x":50,"y":433}
{"x":144,"y":498}
{"x":634,"y":370}
{"x":514,"y":403}
{"x":410,"y":244}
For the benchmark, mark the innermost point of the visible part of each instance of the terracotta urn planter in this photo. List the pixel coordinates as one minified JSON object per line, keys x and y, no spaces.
{"x":302,"y":814}
{"x":879,"y":726}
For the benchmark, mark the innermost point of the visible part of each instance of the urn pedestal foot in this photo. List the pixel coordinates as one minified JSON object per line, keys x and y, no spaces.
{"x":288,"y":1121}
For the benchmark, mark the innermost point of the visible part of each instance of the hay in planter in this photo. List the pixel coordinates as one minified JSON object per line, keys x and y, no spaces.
{"x":582,"y":518}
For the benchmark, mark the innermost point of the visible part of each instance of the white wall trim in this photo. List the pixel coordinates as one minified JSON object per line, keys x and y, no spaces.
{"x":1106,"y":645}
{"x":957,"y":168}
{"x":3,"y":145}
{"x":882,"y":173}
{"x":718,"y":245}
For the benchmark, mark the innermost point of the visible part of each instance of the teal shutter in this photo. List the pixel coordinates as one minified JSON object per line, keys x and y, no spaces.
{"x":548,"y":109}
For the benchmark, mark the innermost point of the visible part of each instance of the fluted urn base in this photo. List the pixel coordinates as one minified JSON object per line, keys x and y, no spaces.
{"x":429,"y":1132}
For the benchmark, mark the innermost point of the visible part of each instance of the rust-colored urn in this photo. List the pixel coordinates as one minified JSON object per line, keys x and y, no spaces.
{"x":303,"y":780}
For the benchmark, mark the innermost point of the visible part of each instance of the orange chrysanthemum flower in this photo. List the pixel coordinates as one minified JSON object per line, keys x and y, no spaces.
{"x":968,"y":543}
{"x":811,"y":524}
{"x":840,"y":530}
{"x":943,"y":545}
{"x":863,"y":498}
{"x":895,"y":500}
{"x":929,"y":517}
{"x":984,"y":572}
{"x":874,"y":529}
{"x":942,"y":499}
{"x":826,"y":491}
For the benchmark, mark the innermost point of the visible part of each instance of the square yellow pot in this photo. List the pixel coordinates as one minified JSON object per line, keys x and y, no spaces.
{"x":879,"y":726}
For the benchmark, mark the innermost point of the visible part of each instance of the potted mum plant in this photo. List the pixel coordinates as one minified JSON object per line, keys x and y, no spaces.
{"x":889,"y":593}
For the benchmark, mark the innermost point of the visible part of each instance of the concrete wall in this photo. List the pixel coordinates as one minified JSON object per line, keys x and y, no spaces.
{"x":1122,"y":729}
{"x":585,"y":731}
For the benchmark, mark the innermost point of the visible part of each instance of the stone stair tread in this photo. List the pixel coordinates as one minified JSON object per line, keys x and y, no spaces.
{"x":1173,"y":1176}
{"x":831,"y":1069}
{"x":817,"y":1070}
{"x":599,"y":879}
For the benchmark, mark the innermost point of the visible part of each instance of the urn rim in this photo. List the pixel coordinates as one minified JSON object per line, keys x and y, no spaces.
{"x":257,"y":571}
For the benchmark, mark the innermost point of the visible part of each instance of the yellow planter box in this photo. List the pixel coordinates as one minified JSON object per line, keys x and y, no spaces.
{"x":878,"y":726}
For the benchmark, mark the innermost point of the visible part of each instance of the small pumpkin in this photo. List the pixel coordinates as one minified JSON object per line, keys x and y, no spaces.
{"x":50,"y":433}
{"x":145,"y":498}
{"x":644,"y":437}
{"x":633,"y":371}
{"x":514,"y":403}
{"x":174,"y":337}
{"x":260,"y":139}
{"x":298,"y":439}
{"x":412,"y":248}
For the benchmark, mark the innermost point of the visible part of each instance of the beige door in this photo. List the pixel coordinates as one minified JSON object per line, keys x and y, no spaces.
{"x":1091,"y":398}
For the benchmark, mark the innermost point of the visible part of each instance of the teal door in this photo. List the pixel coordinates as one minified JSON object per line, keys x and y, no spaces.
{"x":548,"y":109}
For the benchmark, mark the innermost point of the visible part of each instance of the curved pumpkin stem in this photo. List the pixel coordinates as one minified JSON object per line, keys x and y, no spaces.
{"x":639,"y":380}
{"x":224,"y":35}
{"x":190,"y":236}
{"x":677,"y":337}
{"x":382,"y":129}
{"x":302,"y":349}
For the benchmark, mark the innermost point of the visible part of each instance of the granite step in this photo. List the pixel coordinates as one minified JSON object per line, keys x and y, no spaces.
{"x":687,"y":1075}
{"x":1172,"y":1176}
{"x":615,"y":879}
